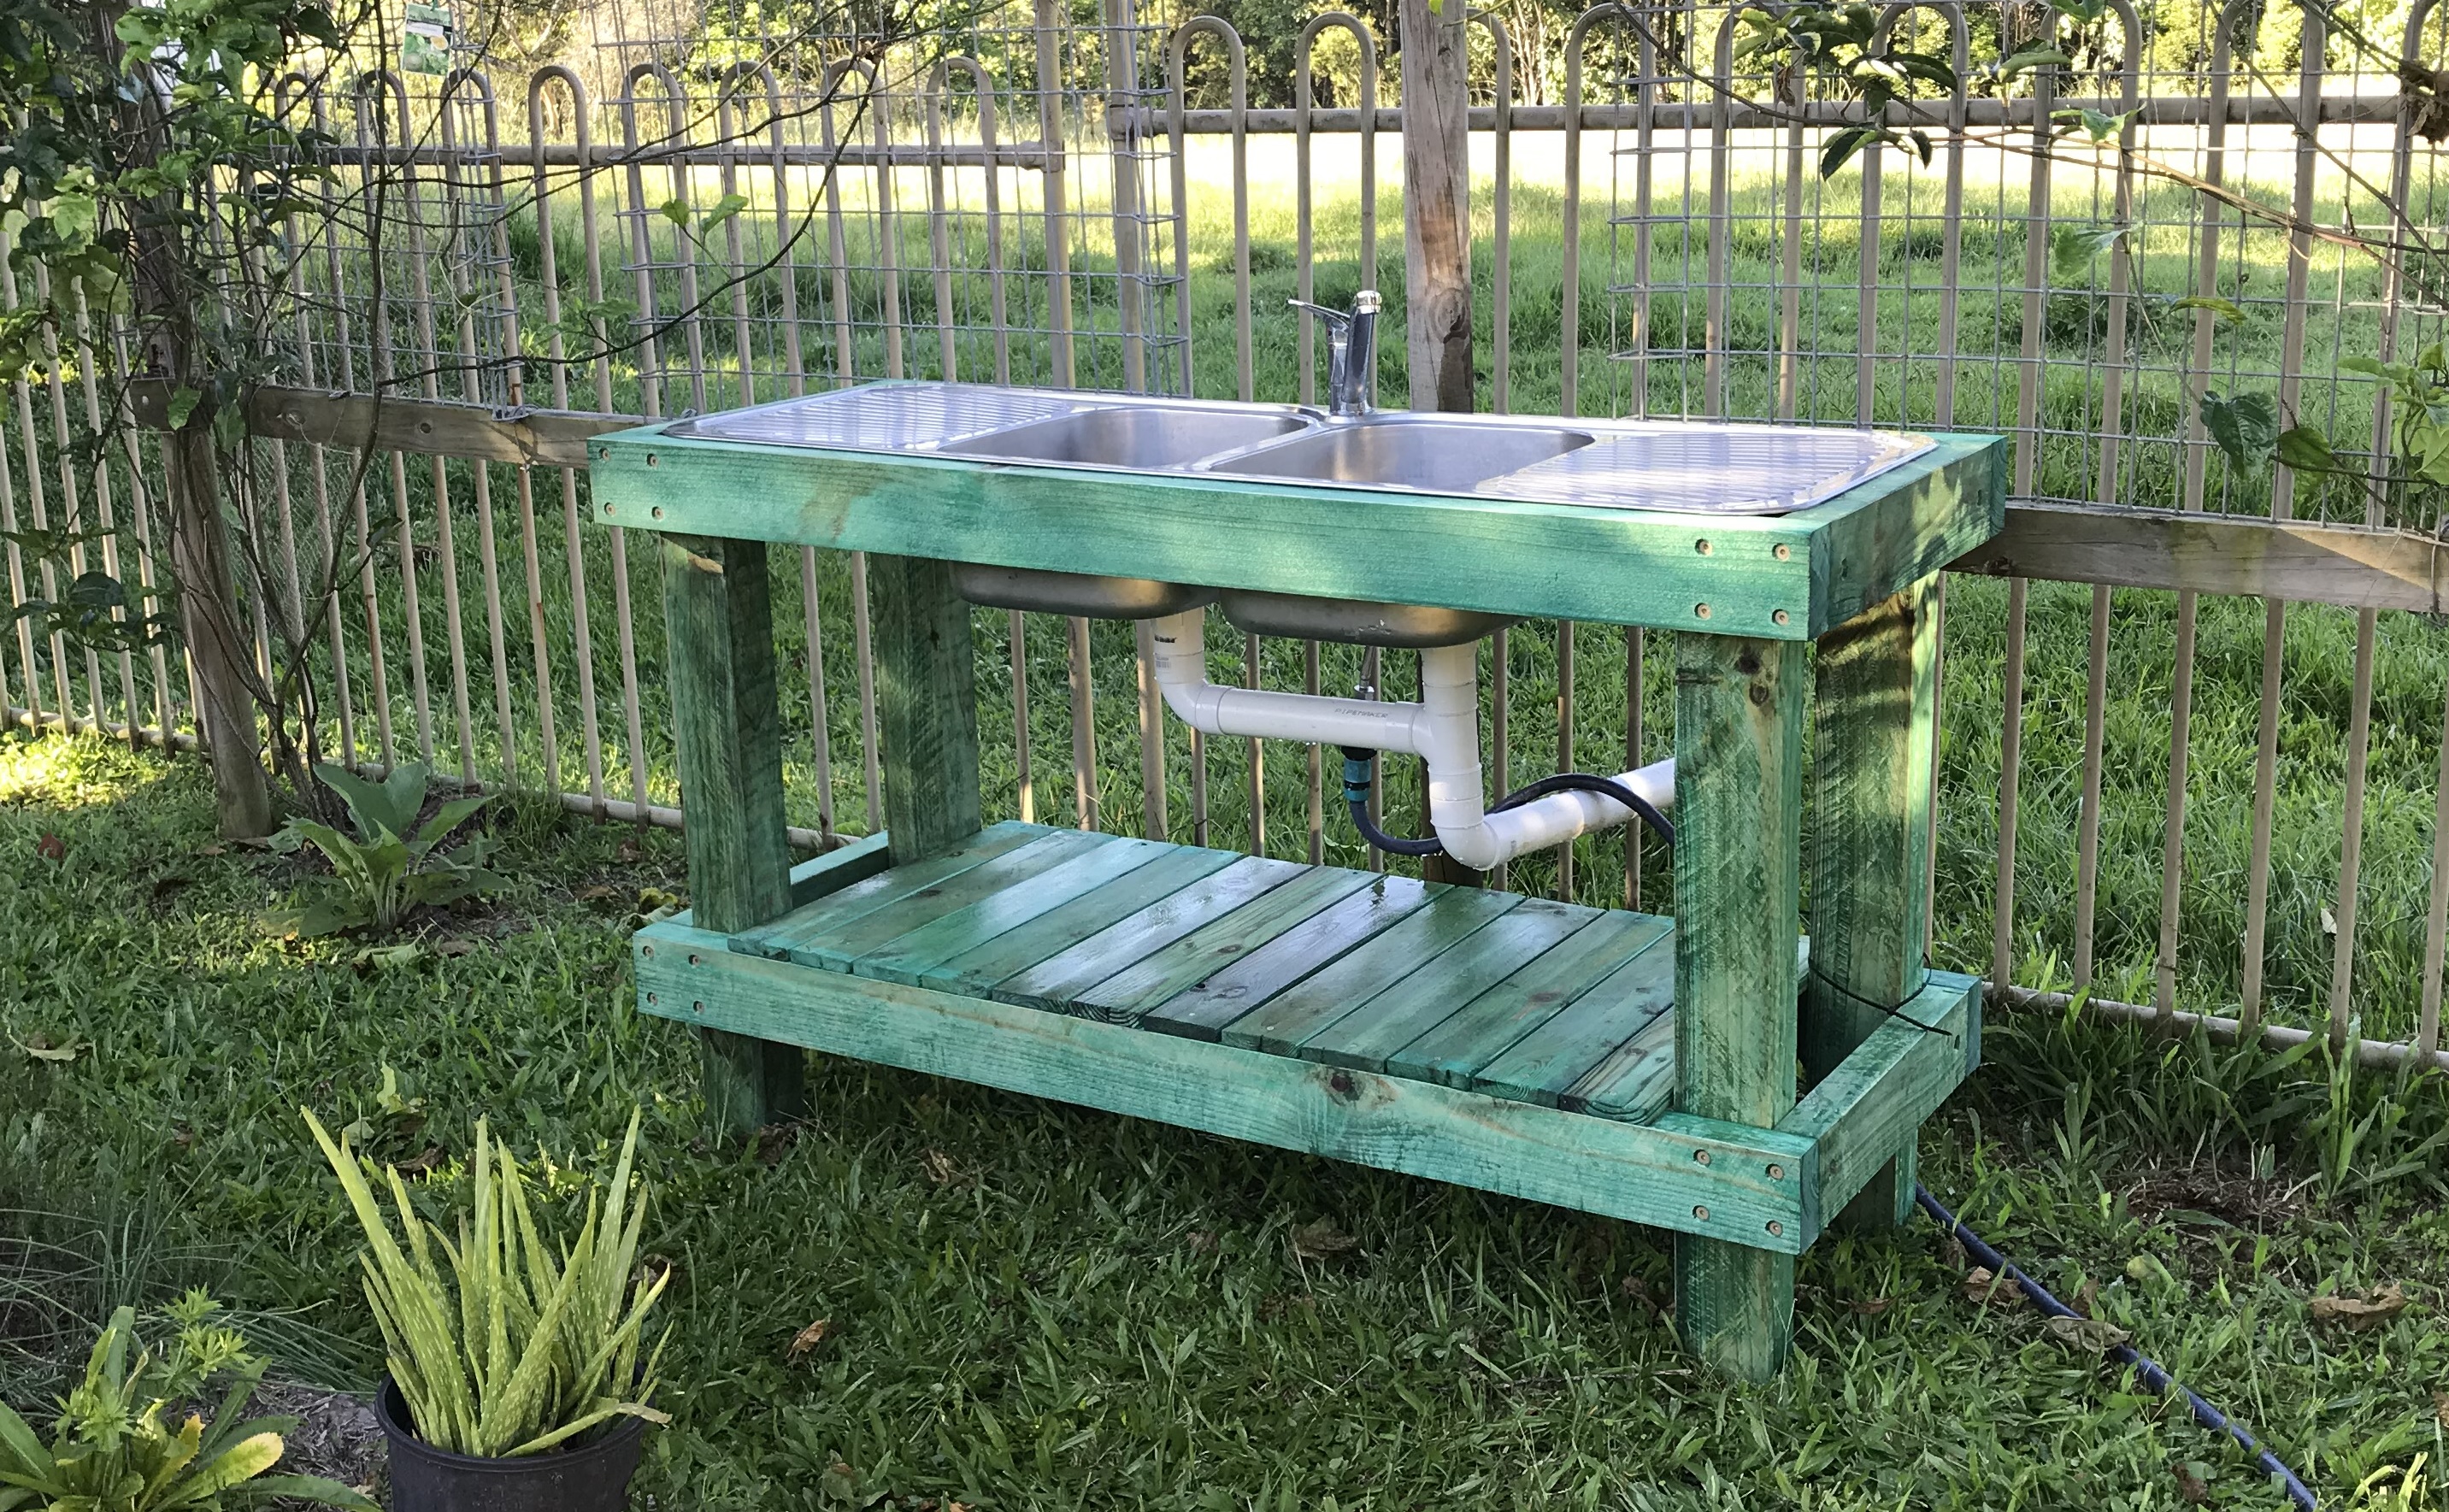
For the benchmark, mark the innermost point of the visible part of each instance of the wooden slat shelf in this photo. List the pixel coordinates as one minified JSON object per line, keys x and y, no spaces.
{"x":1345,"y":993}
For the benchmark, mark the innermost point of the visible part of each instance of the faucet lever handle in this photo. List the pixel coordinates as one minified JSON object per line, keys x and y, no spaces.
{"x":1336,"y":319}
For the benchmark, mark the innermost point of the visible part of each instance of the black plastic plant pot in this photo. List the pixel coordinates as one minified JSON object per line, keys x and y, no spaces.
{"x":594,"y":1476}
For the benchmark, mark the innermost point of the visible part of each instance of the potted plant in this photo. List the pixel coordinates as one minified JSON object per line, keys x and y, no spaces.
{"x":515,"y":1380}
{"x":112,"y":1450}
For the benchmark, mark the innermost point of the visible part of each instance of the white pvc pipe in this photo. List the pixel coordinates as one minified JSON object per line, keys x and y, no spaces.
{"x":1442,"y":729}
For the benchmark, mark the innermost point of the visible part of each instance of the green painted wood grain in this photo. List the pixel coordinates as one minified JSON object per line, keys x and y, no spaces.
{"x":1738,"y":860}
{"x":1930,"y":516}
{"x":1894,"y":1079}
{"x":1875,"y":698}
{"x":1203,"y":1008}
{"x":980,"y":969}
{"x":1636,"y":1080}
{"x":1642,"y":1174}
{"x":1129,"y":993}
{"x":1364,"y":1038}
{"x":857,"y":861}
{"x":1309,"y":1007}
{"x":1485,"y":1027}
{"x":718,"y":611}
{"x":911,"y":956}
{"x":1554,"y":1056}
{"x":1060,"y":978}
{"x":1512,"y":557}
{"x":927,"y":706}
{"x":879,"y":927}
{"x":813,"y":921}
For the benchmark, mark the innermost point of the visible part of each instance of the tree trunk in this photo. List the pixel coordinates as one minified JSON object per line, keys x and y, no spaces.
{"x":165,"y":284}
{"x":1437,"y":246}
{"x":1436,"y":202}
{"x":215,"y":640}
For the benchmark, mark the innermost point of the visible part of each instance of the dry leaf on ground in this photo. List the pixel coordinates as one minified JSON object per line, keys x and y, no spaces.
{"x":943,"y":1169}
{"x":2092,"y":1336}
{"x":52,"y":848}
{"x":2192,"y":1487}
{"x":2441,"y":1406}
{"x":807,"y":1338}
{"x":1321,"y":1240}
{"x":1986,"y":1286}
{"x":43,"y":1046}
{"x":2368,"y":1310}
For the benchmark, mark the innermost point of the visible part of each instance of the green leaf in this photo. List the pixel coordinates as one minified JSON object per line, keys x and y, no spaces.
{"x":242,"y":1460}
{"x":2244,"y":427}
{"x":2227,"y":310}
{"x":722,"y":210}
{"x":183,"y":403}
{"x":310,"y":1488}
{"x":2036,"y":58}
{"x":2071,"y":248}
{"x":448,"y":817}
{"x":389,"y":806}
{"x":676,"y":211}
{"x":24,"y":1452}
{"x":1842,"y":146}
{"x":2306,"y":449}
{"x":2371,"y":367}
{"x":2099,"y":124}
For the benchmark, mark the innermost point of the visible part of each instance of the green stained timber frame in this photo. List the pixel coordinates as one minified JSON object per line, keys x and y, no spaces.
{"x":1788,"y":577}
{"x":1677,"y":1172}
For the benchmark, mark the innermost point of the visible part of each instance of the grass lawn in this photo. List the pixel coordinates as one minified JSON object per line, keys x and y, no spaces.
{"x":1031,"y":1305}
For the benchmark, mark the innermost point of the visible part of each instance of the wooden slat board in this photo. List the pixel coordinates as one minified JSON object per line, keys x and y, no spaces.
{"x":1525,"y":999}
{"x":1779,"y":577}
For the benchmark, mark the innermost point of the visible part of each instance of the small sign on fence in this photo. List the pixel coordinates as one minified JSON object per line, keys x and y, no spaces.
{"x":425,"y":42}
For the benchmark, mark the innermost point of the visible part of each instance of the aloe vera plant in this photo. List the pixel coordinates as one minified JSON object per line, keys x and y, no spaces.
{"x":391,"y":866}
{"x":507,"y":1339}
{"x":112,"y":1450}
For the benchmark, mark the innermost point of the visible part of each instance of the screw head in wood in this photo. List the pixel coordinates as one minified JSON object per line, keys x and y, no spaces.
{"x":1776,"y":616}
{"x":1701,"y":1157}
{"x":1700,"y":611}
{"x":1700,"y":1212}
{"x":1776,"y":1229}
{"x":697,"y":1007}
{"x":1701,"y":547}
{"x":1781,"y":551}
{"x":650,"y":998}
{"x":657,"y":511}
{"x":1777,"y":1173}
{"x":651,"y":459}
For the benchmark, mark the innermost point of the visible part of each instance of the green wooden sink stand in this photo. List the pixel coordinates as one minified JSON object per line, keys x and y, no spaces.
{"x":1515,"y":1045}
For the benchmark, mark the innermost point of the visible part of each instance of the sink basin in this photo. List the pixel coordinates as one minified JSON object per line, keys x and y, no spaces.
{"x":1143,"y":436}
{"x":1358,"y":621}
{"x":1404,"y":451}
{"x":1079,"y":593}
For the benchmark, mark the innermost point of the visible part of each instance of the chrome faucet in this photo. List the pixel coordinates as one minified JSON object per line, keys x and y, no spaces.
{"x":1352,"y":353}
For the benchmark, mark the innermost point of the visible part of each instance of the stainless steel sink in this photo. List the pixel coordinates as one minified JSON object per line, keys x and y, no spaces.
{"x":1079,"y":593}
{"x":1359,"y":622}
{"x":1404,"y":451}
{"x":1148,"y":437}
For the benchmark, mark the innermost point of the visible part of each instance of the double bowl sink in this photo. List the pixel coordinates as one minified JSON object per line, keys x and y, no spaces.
{"x":1699,"y":468}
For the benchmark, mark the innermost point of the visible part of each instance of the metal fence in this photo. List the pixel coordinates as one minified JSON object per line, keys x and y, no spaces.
{"x":701,"y":216}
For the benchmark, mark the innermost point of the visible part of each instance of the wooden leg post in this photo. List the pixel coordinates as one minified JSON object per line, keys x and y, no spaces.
{"x":719,"y":627}
{"x":1738,"y":802}
{"x":926,"y":688}
{"x":1871,"y":754}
